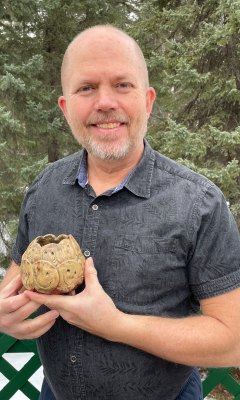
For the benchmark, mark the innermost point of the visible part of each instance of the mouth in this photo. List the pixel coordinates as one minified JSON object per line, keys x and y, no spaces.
{"x":109,"y":125}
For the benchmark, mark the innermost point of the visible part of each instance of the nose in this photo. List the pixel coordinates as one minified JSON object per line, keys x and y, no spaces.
{"x":105,"y":100}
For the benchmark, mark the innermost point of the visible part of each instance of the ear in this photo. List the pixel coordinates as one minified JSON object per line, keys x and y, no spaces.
{"x":63,"y":105}
{"x":150,"y":97}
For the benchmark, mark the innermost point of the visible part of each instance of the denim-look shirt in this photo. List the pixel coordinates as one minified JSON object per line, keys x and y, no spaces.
{"x":161,"y":243}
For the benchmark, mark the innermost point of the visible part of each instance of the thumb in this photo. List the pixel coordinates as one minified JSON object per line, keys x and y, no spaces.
{"x":90,"y":272}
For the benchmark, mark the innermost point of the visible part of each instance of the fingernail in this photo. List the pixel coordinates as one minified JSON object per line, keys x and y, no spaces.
{"x":54,"y":314}
{"x":90,"y":262}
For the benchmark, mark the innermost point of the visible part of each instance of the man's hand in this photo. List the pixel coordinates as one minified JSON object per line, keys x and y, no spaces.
{"x":91,"y":310}
{"x":15,"y":308}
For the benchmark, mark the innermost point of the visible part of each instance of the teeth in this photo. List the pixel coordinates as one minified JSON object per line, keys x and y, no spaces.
{"x":109,"y":126}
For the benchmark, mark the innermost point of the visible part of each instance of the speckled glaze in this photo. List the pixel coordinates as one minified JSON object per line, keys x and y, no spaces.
{"x":52,"y":263}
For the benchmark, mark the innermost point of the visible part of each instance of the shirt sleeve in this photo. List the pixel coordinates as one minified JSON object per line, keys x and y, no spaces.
{"x":214,"y":266}
{"x":26,"y":214}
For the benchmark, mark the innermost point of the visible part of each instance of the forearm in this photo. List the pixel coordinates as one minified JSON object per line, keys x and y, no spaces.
{"x":198,"y":340}
{"x":13,"y":271}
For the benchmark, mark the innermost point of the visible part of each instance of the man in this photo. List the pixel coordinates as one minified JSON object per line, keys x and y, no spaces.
{"x":158,"y":238}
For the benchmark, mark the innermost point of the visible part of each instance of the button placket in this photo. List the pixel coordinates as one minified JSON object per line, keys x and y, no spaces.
{"x":91,"y":229}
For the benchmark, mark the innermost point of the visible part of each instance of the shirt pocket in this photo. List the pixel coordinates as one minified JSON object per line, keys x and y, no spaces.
{"x":145,"y":268}
{"x":145,"y":244}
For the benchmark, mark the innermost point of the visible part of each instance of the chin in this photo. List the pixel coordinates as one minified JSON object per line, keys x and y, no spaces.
{"x":111,"y":152}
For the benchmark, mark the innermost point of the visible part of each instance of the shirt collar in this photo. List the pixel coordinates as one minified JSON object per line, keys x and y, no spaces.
{"x":138,"y":181}
{"x":83,"y":177}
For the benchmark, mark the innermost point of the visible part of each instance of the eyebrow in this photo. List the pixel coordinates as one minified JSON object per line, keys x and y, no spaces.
{"x":122,"y":77}
{"x":119,"y":77}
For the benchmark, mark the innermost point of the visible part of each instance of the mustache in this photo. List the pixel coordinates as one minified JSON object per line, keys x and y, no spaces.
{"x":95,"y":119}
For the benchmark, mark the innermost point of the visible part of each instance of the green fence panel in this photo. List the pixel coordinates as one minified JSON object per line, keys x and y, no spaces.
{"x":18,"y":380}
{"x":221,"y":375}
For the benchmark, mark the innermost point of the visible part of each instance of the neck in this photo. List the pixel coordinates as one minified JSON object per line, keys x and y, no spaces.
{"x":104,"y":174}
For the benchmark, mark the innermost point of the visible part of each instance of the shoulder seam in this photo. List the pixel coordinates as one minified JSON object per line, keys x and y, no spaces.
{"x":63,"y":161}
{"x":205,"y":182}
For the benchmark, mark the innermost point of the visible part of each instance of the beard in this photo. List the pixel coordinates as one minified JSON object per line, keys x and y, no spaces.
{"x":105,"y":146}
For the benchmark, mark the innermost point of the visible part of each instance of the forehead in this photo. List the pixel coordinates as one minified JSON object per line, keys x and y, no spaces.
{"x":107,"y":39}
{"x":103,"y":51}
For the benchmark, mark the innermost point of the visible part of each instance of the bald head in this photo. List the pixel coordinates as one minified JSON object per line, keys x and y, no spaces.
{"x":102,"y":32}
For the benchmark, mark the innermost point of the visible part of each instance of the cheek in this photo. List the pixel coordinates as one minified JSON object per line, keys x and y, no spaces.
{"x":78,"y":110}
{"x":138,"y":105}
{"x":138,"y":112}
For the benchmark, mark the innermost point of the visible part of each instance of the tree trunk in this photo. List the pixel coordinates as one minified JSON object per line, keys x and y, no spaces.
{"x":53,"y":153}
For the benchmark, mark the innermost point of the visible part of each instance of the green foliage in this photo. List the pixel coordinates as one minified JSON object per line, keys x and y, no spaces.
{"x":33,"y":131}
{"x":192,"y":50}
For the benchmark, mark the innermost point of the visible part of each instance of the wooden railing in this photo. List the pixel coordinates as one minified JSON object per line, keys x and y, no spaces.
{"x":18,"y":380}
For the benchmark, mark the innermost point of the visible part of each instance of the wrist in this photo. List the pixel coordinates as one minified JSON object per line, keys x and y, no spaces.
{"x":116,"y":329}
{"x":123,"y":328}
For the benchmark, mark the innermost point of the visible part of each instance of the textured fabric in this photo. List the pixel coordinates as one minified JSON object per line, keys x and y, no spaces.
{"x":192,"y":390}
{"x":160,"y":244}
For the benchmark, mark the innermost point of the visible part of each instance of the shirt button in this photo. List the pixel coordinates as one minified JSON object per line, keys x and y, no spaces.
{"x":86,"y":253}
{"x":73,"y":359}
{"x":95,"y":207}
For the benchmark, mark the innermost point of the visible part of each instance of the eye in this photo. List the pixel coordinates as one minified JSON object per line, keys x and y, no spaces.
{"x":124,"y":85}
{"x":85,"y":89}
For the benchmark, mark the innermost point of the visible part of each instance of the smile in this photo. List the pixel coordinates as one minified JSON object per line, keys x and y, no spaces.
{"x":109,"y":126}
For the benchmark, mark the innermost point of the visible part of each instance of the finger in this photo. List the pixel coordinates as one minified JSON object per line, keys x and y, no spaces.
{"x":33,"y":328}
{"x":36,"y":334}
{"x":90,"y":273}
{"x":13,"y":303}
{"x":53,"y":301}
{"x":20,"y":314}
{"x":12,"y":288}
{"x":22,"y":290}
{"x":72,"y":293}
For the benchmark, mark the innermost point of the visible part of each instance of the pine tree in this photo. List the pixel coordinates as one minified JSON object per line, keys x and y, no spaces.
{"x":192,"y":50}
{"x":33,"y":132}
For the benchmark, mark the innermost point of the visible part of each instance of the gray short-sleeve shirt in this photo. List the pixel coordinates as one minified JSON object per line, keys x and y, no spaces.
{"x":160,"y":244}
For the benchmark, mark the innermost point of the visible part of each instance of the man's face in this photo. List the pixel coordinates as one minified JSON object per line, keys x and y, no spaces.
{"x":106,"y":102}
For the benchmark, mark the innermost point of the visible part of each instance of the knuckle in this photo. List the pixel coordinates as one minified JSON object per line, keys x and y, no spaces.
{"x":10,"y":304}
{"x":48,"y":304}
{"x":32,"y":336}
{"x":30,"y":329}
{"x":23,"y":313}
